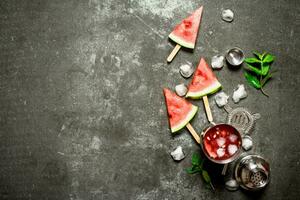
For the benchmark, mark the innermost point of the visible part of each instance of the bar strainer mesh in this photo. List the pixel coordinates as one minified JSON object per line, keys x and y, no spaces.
{"x":258,"y":178}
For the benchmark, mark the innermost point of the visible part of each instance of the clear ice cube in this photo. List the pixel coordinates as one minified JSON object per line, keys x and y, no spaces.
{"x":178,"y":154}
{"x":239,"y":93}
{"x":232,"y":148}
{"x":217,"y":62}
{"x":233,"y":137}
{"x":220,"y":152}
{"x":220,"y":141}
{"x":221,"y":99}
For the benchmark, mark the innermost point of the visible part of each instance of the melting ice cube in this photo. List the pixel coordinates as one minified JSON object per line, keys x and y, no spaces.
{"x":220,"y":141}
{"x":186,"y":70}
{"x":220,"y":152}
{"x":232,"y":185}
{"x":227,"y":15}
{"x":239,"y":93}
{"x":178,"y":154}
{"x":181,"y":90}
{"x":232,"y":149}
{"x":221,"y":99}
{"x":217,"y":62}
{"x":247,"y":143}
{"x":233,"y":137}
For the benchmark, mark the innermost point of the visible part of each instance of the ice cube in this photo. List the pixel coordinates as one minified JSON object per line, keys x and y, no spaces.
{"x":221,"y":99}
{"x":233,"y":137}
{"x":232,"y":185}
{"x":220,"y":141}
{"x":186,"y":70}
{"x":239,"y":93}
{"x":178,"y":154}
{"x":181,"y":90}
{"x":220,"y":152}
{"x":247,"y":143}
{"x":227,"y":15}
{"x":232,"y":149}
{"x":217,"y":62}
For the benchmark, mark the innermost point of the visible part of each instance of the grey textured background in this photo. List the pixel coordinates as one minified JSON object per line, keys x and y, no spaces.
{"x":82,"y":111}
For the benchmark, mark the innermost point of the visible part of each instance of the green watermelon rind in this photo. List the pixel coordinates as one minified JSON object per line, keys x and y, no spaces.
{"x":186,"y":120}
{"x":183,"y":43}
{"x":209,"y":90}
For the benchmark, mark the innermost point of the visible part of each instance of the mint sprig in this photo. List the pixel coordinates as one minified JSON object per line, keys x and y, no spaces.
{"x":258,"y":70}
{"x":197,"y":167}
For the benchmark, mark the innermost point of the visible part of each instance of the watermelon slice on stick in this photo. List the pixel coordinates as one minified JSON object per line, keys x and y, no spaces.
{"x":185,"y":34}
{"x":204,"y":82}
{"x":180,"y":113}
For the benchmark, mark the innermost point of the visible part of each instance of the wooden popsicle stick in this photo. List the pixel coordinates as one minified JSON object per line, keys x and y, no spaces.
{"x":207,"y":109}
{"x":173,"y":53}
{"x":193,"y":133}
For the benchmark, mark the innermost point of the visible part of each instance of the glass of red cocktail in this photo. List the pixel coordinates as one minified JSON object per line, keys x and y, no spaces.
{"x":221,"y":143}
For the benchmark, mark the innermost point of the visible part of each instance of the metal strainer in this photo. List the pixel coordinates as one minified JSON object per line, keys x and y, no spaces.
{"x":252,"y":172}
{"x":241,"y":118}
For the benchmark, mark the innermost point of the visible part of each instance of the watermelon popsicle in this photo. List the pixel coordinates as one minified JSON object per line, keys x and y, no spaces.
{"x":185,"y":34}
{"x":180,"y":113}
{"x":204,"y":82}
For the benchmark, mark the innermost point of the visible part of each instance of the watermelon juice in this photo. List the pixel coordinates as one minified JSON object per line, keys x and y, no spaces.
{"x":221,"y":142}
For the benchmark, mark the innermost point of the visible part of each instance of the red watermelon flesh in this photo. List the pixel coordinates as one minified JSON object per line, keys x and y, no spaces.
{"x":186,"y":32}
{"x":180,"y":111}
{"x":204,"y":81}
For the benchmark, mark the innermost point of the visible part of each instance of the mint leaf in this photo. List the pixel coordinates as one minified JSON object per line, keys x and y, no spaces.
{"x":253,"y":69}
{"x":197,"y":164}
{"x":265,"y":69}
{"x":258,"y":55}
{"x":258,"y":68}
{"x":191,"y":170}
{"x":252,"y":60}
{"x":268,"y":58}
{"x":206,"y":176}
{"x":196,"y":160}
{"x":252,"y":80}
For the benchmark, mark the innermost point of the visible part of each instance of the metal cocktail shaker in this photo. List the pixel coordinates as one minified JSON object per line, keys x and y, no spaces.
{"x":252,"y":172}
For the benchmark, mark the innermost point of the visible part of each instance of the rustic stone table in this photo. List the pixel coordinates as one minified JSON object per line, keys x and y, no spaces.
{"x":82,"y":111}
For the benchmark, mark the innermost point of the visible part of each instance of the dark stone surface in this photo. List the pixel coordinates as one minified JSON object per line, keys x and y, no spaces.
{"x":82,"y":112}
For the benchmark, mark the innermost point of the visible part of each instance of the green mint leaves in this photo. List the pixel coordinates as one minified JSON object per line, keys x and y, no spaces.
{"x":252,"y":80}
{"x":197,"y":167}
{"x":257,"y":71}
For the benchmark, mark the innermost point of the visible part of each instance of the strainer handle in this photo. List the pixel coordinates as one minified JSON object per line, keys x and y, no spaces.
{"x":227,"y":108}
{"x":256,"y":116}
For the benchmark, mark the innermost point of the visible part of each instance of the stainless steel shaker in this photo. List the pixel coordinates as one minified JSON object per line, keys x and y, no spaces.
{"x":252,"y":172}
